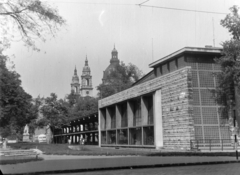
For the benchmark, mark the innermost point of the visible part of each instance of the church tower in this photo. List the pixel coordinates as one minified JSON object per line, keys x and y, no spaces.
{"x":75,"y":86}
{"x":86,"y":88}
{"x":113,"y":63}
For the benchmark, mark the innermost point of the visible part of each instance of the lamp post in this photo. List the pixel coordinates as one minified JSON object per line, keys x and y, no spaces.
{"x":232,"y":113}
{"x":235,"y":133}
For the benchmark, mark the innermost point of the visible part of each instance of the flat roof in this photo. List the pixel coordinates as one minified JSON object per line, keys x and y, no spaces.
{"x":205,"y":50}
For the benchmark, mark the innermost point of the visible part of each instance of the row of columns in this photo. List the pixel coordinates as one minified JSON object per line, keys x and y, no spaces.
{"x":90,"y":138}
{"x":105,"y":118}
{"x":114,"y":114}
{"x":80,"y":127}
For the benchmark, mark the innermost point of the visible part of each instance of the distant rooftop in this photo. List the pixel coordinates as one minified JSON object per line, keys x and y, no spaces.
{"x":203,"y":50}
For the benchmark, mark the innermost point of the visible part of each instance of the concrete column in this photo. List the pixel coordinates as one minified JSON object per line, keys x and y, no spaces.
{"x":130,"y":113}
{"x":118,"y":117}
{"x":108,"y":118}
{"x":99,"y":127}
{"x":102,"y":119}
{"x":144,"y":111}
{"x":158,"y":122}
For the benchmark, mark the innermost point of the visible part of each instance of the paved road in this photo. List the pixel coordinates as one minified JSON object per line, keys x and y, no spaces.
{"x":219,"y":169}
{"x":69,"y":163}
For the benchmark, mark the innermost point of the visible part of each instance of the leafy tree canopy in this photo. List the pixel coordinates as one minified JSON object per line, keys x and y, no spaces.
{"x":16,"y":108}
{"x":72,"y":99}
{"x":28,"y":19}
{"x":55,"y":112}
{"x":119,"y":79}
{"x":84,"y":106}
{"x":229,"y":79}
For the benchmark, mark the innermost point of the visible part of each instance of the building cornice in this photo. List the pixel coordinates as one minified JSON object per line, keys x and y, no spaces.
{"x":199,"y":50}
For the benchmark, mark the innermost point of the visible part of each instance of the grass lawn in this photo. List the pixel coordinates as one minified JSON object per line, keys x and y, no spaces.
{"x":62,"y":149}
{"x":15,"y":160}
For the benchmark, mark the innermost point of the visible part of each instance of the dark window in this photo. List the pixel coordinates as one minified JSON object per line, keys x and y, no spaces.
{"x":165,"y":69}
{"x":122,"y":136}
{"x":148,"y":135}
{"x":172,"y":65}
{"x":181,"y":62}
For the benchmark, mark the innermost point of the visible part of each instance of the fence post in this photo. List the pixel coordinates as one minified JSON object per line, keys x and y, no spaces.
{"x":210,"y":144}
{"x":222,"y":143}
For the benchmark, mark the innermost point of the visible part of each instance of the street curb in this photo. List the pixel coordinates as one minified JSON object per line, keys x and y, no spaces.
{"x":127,"y":167}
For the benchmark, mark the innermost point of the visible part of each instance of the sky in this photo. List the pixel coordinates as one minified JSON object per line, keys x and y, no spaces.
{"x":141,"y":34}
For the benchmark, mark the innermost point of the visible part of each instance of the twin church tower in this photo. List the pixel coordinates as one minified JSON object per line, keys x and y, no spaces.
{"x":85,"y":89}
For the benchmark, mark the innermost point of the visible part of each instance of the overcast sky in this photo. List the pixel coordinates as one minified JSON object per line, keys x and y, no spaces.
{"x":141,"y":35}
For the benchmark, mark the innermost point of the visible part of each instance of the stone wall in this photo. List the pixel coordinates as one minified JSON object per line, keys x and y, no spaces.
{"x":178,"y":124}
{"x":177,"y":117}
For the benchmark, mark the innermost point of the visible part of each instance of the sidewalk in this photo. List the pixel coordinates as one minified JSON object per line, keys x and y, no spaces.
{"x":61,"y":164}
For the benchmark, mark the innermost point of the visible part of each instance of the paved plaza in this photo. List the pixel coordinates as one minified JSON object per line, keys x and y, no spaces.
{"x":218,"y":169}
{"x":64,"y":164}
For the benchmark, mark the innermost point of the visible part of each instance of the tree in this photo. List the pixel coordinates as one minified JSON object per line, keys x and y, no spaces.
{"x":119,"y":79}
{"x":55,"y":113}
{"x":30,"y":19}
{"x":16,"y":108}
{"x":72,"y":99}
{"x":228,"y":90}
{"x":84,"y":106}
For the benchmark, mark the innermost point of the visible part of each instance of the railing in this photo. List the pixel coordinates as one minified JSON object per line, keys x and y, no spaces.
{"x":210,"y":144}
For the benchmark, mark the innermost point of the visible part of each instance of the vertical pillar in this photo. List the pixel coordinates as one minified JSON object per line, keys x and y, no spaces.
{"x":130,"y":113}
{"x":118,"y":116}
{"x":99,"y":128}
{"x":108,"y":118}
{"x":158,"y":123}
{"x":144,"y":111}
{"x":102,"y":118}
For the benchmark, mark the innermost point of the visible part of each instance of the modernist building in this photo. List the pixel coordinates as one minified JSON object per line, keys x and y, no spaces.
{"x":170,"y":107}
{"x":86,"y":79}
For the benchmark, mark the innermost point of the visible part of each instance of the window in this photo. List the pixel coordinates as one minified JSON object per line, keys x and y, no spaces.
{"x":122,"y":136}
{"x":104,"y":137}
{"x":111,"y":137}
{"x":136,"y":136}
{"x":148,"y":136}
{"x":87,"y":80}
{"x":206,"y":79}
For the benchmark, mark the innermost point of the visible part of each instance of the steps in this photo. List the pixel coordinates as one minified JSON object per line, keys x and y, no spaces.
{"x":13,"y":153}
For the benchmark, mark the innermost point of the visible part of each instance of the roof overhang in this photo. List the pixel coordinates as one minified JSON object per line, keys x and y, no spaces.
{"x":199,"y":50}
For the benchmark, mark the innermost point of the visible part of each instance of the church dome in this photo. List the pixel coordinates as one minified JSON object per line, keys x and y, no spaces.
{"x":113,"y":63}
{"x":75,"y":79}
{"x":114,"y":50}
{"x":86,"y":69}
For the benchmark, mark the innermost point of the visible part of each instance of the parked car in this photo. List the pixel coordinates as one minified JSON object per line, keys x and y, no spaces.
{"x":42,"y":138}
